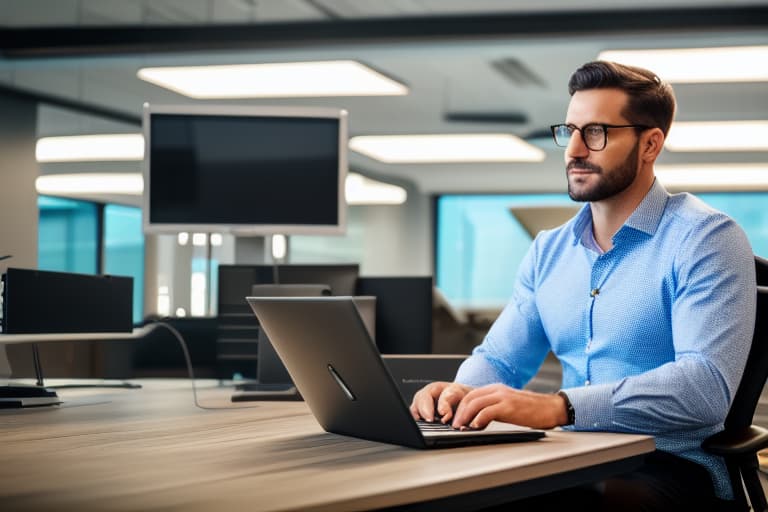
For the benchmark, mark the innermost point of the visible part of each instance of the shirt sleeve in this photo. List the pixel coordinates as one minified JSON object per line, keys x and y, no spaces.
{"x":713,"y":316}
{"x":515,"y":346}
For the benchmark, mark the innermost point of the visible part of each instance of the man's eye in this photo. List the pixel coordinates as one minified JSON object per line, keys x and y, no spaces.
{"x":593,"y":131}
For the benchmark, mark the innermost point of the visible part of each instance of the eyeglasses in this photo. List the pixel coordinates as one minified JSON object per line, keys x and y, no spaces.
{"x":594,"y":135}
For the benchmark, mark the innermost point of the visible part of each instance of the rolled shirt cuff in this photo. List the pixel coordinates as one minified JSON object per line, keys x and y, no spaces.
{"x":592,"y":407}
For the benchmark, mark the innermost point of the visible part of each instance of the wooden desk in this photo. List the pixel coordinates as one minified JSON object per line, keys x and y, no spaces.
{"x":152,"y":449}
{"x":84,"y":336}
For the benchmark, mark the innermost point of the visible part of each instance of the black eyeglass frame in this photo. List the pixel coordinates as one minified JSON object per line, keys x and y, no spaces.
{"x":604,"y":126}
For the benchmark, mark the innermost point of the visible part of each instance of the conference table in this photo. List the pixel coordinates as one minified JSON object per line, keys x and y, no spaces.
{"x":152,"y":448}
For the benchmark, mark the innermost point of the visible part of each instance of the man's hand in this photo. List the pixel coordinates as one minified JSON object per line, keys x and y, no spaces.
{"x":480,"y":406}
{"x":440,"y":397}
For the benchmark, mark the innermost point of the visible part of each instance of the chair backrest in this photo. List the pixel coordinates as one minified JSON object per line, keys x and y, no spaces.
{"x":761,"y":269}
{"x":756,"y":371}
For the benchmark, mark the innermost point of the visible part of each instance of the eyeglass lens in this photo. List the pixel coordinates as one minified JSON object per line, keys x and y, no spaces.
{"x":593,"y":135}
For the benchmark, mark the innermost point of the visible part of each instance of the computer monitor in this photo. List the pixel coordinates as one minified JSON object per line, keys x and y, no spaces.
{"x":403,"y":312}
{"x":235,"y":281}
{"x":238,"y":329}
{"x":247,"y":170}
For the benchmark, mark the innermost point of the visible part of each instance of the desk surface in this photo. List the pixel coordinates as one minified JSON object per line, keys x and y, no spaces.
{"x":152,"y":449}
{"x":84,"y":336}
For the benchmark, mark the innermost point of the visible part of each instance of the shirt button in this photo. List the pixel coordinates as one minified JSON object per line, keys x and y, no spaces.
{"x":586,"y":383}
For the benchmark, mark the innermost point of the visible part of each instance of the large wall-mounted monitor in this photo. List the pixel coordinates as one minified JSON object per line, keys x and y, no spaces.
{"x":245,"y":170}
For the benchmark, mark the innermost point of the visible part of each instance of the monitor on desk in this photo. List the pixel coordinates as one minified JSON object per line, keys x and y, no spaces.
{"x":237,"y":345}
{"x":235,"y":281}
{"x":403,"y":312}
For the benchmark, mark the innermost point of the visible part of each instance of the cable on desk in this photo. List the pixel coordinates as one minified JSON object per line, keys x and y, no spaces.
{"x":188,"y":361}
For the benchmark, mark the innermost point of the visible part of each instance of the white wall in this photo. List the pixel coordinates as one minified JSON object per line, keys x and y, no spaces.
{"x":391,"y":240}
{"x":398,"y":239}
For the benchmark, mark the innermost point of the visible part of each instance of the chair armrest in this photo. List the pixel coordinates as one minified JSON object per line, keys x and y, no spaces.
{"x":739,"y":442}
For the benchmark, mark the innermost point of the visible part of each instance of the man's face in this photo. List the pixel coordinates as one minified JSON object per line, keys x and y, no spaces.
{"x":599,"y":175}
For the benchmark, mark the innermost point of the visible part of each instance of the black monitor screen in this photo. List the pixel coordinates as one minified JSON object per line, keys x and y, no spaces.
{"x":403,"y":313}
{"x":252,"y":172}
{"x":236,"y":281}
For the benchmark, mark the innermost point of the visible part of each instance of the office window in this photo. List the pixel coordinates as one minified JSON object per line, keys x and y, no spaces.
{"x":124,"y":249}
{"x":67,"y":235}
{"x":68,"y":241}
{"x":480,"y":243}
{"x":749,"y":210}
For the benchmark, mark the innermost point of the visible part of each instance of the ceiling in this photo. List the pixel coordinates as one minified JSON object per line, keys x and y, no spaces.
{"x":470,"y":66}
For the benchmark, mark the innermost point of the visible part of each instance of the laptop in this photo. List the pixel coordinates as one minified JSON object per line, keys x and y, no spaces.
{"x":273,"y":382}
{"x":336,"y":367}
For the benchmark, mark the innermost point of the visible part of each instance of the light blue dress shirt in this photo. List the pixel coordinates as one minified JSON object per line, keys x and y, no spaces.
{"x":652,"y":335}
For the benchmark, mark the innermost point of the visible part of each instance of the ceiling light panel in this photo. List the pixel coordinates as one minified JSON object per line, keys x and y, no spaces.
{"x":718,"y":136}
{"x":699,"y":65}
{"x":360,"y":190}
{"x":715,"y":177}
{"x":90,"y":183}
{"x":94,"y":148}
{"x":278,"y":80}
{"x":447,"y":148}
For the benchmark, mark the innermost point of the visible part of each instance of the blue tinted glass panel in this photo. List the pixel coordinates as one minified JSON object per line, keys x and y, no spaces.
{"x":749,"y":209}
{"x":67,"y":234}
{"x":124,"y":250}
{"x":480,"y":243}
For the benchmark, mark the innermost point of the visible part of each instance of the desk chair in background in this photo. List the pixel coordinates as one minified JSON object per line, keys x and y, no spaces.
{"x":740,"y":441}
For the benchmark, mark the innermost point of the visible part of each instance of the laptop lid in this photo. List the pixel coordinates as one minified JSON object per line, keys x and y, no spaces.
{"x":336,"y":367}
{"x":269,"y":368}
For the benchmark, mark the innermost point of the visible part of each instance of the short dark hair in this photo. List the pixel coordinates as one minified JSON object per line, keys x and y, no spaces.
{"x":651,"y":100}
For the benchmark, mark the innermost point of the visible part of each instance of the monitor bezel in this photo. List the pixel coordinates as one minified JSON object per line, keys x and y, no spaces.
{"x":339,"y":228}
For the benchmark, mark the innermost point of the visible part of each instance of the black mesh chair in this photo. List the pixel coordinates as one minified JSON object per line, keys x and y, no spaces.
{"x":740,"y":441}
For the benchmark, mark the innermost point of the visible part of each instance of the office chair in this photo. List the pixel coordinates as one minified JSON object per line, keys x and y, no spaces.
{"x":740,"y":441}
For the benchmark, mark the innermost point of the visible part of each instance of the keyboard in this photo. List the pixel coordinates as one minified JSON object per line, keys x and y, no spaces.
{"x":436,"y":426}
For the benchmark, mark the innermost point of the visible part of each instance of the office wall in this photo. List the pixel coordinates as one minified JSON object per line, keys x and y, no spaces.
{"x":18,"y":171}
{"x":398,"y":239}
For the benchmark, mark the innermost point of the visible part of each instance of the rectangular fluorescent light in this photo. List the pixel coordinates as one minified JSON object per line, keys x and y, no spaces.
{"x":486,"y":147}
{"x":714,"y":176}
{"x":95,"y":148}
{"x":699,"y":65}
{"x":360,"y":190}
{"x":718,"y":136}
{"x":90,"y":183}
{"x":278,"y":80}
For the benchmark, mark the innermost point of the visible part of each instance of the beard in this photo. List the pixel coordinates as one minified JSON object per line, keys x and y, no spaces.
{"x":609,"y":183}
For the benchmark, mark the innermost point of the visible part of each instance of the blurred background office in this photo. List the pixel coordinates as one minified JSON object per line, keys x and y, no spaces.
{"x":452,"y":169}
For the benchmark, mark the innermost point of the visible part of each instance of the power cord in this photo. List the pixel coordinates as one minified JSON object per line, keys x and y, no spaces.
{"x":188,"y":361}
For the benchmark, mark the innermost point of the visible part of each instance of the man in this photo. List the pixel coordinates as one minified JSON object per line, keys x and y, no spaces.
{"x":646,"y":298}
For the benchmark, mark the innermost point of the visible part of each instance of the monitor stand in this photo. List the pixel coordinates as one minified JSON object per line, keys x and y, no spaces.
{"x":18,"y":396}
{"x":255,"y":391}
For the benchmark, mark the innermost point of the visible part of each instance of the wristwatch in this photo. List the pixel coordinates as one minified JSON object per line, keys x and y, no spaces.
{"x":568,"y":408}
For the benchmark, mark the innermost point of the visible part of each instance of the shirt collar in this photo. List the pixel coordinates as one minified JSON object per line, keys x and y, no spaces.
{"x":645,"y":218}
{"x":647,"y":215}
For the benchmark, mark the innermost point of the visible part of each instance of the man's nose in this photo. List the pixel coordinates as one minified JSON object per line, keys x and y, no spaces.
{"x":576,"y":147}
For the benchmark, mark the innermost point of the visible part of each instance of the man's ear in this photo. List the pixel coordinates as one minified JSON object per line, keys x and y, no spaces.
{"x":651,"y":144}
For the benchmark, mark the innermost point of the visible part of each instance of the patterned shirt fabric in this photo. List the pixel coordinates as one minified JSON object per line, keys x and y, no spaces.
{"x":652,"y":335}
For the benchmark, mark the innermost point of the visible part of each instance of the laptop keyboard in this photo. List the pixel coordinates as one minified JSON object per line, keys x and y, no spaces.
{"x":430,"y":426}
